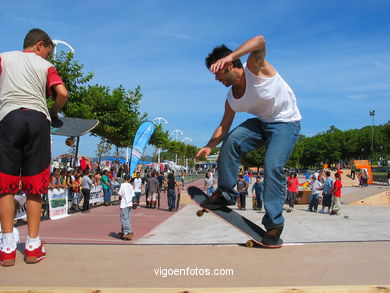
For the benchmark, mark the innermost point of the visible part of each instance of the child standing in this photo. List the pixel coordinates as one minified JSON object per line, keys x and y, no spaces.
{"x":292,"y":190}
{"x":257,"y":193}
{"x":315,"y":194}
{"x":327,"y":193}
{"x":335,"y":208}
{"x":126,"y":195}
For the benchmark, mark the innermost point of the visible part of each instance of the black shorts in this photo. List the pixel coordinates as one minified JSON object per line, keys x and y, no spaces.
{"x":25,"y":152}
{"x":327,"y":200}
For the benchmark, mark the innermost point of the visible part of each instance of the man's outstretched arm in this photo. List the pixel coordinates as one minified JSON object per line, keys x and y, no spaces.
{"x":219,"y":133}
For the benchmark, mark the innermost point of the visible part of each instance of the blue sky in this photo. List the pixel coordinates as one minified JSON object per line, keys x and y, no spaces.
{"x":334,"y":54}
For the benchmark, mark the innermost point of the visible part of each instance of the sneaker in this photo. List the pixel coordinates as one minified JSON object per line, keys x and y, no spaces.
{"x":217,"y":200}
{"x":7,"y":256}
{"x":127,"y":236}
{"x":271,"y":238}
{"x":34,"y":255}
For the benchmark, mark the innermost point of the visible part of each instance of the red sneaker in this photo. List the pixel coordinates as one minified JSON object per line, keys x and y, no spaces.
{"x":7,"y":257}
{"x":34,"y":255}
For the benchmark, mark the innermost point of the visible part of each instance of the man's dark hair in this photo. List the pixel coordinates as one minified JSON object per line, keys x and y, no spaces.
{"x":218,"y":53}
{"x":34,"y":36}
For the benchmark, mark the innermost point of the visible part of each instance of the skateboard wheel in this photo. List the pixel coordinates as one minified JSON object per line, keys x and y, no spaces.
{"x":250,"y":243}
{"x":199,"y":213}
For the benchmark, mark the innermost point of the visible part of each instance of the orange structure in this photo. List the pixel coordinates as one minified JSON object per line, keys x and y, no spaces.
{"x":364,"y":164}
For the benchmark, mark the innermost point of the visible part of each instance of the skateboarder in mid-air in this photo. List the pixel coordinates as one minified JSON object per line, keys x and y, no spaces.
{"x":26,"y":78}
{"x":256,"y":88}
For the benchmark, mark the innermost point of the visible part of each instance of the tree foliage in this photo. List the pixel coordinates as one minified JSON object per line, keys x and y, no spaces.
{"x":332,"y":146}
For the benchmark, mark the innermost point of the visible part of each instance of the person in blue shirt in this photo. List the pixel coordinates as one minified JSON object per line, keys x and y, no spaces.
{"x":327,"y":192}
{"x":307,"y":176}
{"x":257,"y":192}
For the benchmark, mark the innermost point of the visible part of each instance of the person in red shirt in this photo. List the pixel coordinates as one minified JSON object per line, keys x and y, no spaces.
{"x":26,"y":80}
{"x":292,"y":190}
{"x":335,"y":207}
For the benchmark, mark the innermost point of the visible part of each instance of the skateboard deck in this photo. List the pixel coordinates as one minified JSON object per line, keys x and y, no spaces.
{"x":242,"y":224}
{"x":68,"y":126}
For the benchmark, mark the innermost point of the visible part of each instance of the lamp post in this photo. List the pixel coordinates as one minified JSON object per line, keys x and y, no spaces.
{"x":158,"y":121}
{"x":177,"y":132}
{"x":56,"y":43}
{"x":186,"y":140}
{"x":372,"y":114}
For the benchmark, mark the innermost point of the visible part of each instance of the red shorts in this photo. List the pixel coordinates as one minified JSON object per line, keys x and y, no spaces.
{"x":25,"y":152}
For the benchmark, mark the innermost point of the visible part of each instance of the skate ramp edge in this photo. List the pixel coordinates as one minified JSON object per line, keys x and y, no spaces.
{"x":382,"y":198}
{"x":295,"y":289}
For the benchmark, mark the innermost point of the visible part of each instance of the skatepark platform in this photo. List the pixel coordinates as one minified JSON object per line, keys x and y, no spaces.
{"x":323,"y":253}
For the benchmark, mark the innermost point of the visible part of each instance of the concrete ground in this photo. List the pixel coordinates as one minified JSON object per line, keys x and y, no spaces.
{"x":179,"y":252}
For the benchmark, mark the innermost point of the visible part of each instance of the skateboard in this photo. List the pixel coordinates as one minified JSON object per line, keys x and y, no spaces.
{"x":72,"y":127}
{"x":226,"y":214}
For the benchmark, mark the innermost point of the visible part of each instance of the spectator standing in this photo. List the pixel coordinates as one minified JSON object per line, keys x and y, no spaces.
{"x":335,"y":207}
{"x":171,"y":186}
{"x":126,"y":195}
{"x":137,"y":182}
{"x":242,"y":188}
{"x":315,"y":194}
{"x":154,"y":191}
{"x":209,"y":184}
{"x":257,"y":192}
{"x":86,"y":185}
{"x":105,"y":181}
{"x":146,"y":181}
{"x":327,"y":193}
{"x":292,"y":190}
{"x":307,"y":176}
{"x":353,"y":171}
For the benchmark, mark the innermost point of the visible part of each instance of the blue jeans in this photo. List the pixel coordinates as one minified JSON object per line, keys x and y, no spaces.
{"x":137,"y":197}
{"x":107,"y":195}
{"x":171,"y":199}
{"x":313,"y":204}
{"x":126,"y":220}
{"x":210,"y":190}
{"x":279,"y":138}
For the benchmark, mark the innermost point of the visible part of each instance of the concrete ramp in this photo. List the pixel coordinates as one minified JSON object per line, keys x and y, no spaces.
{"x":355,"y":194}
{"x":382,"y":198}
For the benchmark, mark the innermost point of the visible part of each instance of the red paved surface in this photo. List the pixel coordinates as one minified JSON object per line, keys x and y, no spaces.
{"x":102,"y":224}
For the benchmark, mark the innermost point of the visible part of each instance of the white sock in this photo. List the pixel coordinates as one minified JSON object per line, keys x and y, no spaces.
{"x":8,"y":240}
{"x":33,"y":243}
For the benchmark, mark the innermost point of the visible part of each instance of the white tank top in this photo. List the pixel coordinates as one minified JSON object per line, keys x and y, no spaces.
{"x":270,"y":99}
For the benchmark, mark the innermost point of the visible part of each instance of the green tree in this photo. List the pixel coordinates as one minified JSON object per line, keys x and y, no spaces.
{"x":117,"y":109}
{"x":103,"y":148}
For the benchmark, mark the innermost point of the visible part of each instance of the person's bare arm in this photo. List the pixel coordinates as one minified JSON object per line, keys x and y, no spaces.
{"x":60,"y":100}
{"x":219,"y":133}
{"x":255,"y":47}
